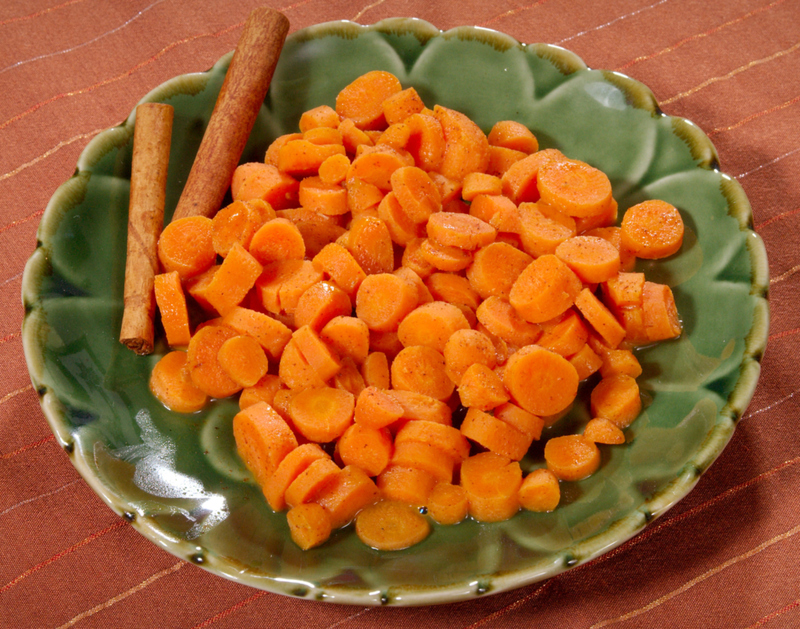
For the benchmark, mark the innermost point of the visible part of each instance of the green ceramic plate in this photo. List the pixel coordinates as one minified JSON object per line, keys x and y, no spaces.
{"x":177,"y":478}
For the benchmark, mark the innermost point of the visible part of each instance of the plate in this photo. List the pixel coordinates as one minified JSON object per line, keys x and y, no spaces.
{"x":177,"y":479}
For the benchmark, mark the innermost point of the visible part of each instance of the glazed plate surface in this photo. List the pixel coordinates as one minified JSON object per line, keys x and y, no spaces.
{"x":177,"y":478}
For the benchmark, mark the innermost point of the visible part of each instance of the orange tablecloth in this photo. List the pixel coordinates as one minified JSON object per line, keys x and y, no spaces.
{"x":726,"y":556}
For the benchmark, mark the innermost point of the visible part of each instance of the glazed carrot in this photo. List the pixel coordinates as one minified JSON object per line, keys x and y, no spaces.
{"x":233,"y":280}
{"x":495,"y":268}
{"x":186,"y":246}
{"x":488,"y":206}
{"x":480,"y":184}
{"x":401,"y":105}
{"x":520,"y":180}
{"x":414,"y":260}
{"x":448,"y":503}
{"x":238,"y":222}
{"x":347,"y":336}
{"x":539,"y":491}
{"x":424,"y":295}
{"x":401,"y":228}
{"x":204,"y":368}
{"x":384,"y":300}
{"x":424,"y":456}
{"x":171,"y":303}
{"x":445,"y":257}
{"x":481,"y":388}
{"x":367,"y":448}
{"x":243,"y":360}
{"x":321,"y":116}
{"x":427,"y":142}
{"x":311,"y":482}
{"x":592,"y":259}
{"x":620,"y":361}
{"x":295,"y":371}
{"x":540,"y":381}
{"x":431,"y":324}
{"x":543,"y":228}
{"x":386,"y":343}
{"x":660,"y":316}
{"x":262,"y":391}
{"x":376,"y":165}
{"x":627,"y":259}
{"x":632,"y":320}
{"x":465,"y":348}
{"x":301,"y":158}
{"x":545,"y":289}
{"x":290,"y":467}
{"x":173,"y":387}
{"x":362,"y":196}
{"x":198,"y":285}
{"x":566,"y":337}
{"x":339,"y":264}
{"x":317,"y":229}
{"x":282,"y":283}
{"x":278,"y":239}
{"x":453,"y":289}
{"x":371,"y":245}
{"x":352,"y":136}
{"x":421,"y":369}
{"x":263,"y":439}
{"x":444,"y":437}
{"x":527,"y":423}
{"x":606,"y":218}
{"x":466,"y":146}
{"x":395,"y":135}
{"x":500,"y":318}
{"x":375,"y":409}
{"x":416,"y":193}
{"x":571,"y":457}
{"x":334,"y":169}
{"x":321,"y":358}
{"x":391,"y":525}
{"x":652,"y":230}
{"x":586,"y":362}
{"x":417,"y":406}
{"x":375,"y":370}
{"x":574,"y":187}
{"x":323,"y":135}
{"x":309,"y":525}
{"x":495,"y":435}
{"x":270,"y":333}
{"x":460,"y":230}
{"x":350,"y":492}
{"x":326,"y":198}
{"x":349,"y":377}
{"x":409,"y":485}
{"x":255,"y":180}
{"x":624,"y":290}
{"x":323,"y":414}
{"x":513,"y":135}
{"x":319,"y":304}
{"x":271,"y":156}
{"x":502,"y":159}
{"x":602,"y":430}
{"x":362,"y":100}
{"x":617,"y":399}
{"x":491,"y":482}
{"x":600,"y":318}
{"x":281,"y":402}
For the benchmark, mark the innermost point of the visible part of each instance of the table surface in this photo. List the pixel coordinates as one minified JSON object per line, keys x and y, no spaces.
{"x":726,"y":556}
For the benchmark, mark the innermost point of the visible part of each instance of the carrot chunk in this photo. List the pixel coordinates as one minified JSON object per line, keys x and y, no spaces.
{"x":375,"y":409}
{"x":322,"y":415}
{"x":571,"y":457}
{"x":520,"y":179}
{"x":660,"y":316}
{"x":172,"y":385}
{"x":204,"y":367}
{"x":652,"y":230}
{"x":617,"y":399}
{"x":431,"y":325}
{"x":320,"y":474}
{"x":410,"y":485}
{"x":574,"y":187}
{"x":540,"y":491}
{"x":391,"y":525}
{"x":278,"y":239}
{"x":466,"y":146}
{"x":495,"y":435}
{"x":502,"y":319}
{"x":263,"y":439}
{"x":401,"y":105}
{"x":421,"y":369}
{"x":319,"y":304}
{"x":383,"y":301}
{"x":362,"y":100}
{"x":301,"y":158}
{"x":602,"y":430}
{"x":426,"y":142}
{"x":444,"y":257}
{"x":243,"y":360}
{"x":448,"y":503}
{"x":321,"y":116}
{"x":481,"y":388}
{"x":290,"y":467}
{"x":371,"y":245}
{"x":270,"y":333}
{"x":593,"y":259}
{"x":326,"y":198}
{"x":339,"y":264}
{"x":265,"y":182}
{"x":527,"y":423}
{"x":367,"y":448}
{"x":171,"y":303}
{"x":233,"y":280}
{"x":545,"y":289}
{"x":540,"y":381}
{"x":238,"y":222}
{"x":375,"y":370}
{"x":416,"y":193}
{"x":513,"y":135}
{"x":446,"y":438}
{"x":543,"y":228}
{"x":350,"y":492}
{"x":566,"y":337}
{"x":460,"y":230}
{"x":309,"y":525}
{"x":424,"y":456}
{"x":492,"y":482}
{"x":600,"y":318}
{"x":186,"y":246}
{"x":465,"y":348}
{"x":495,"y":268}
{"x":262,"y":391}
{"x":417,"y":406}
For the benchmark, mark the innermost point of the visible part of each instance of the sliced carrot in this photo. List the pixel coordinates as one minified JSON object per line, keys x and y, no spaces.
{"x":602,"y":430}
{"x":448,"y":503}
{"x":586,"y":362}
{"x":322,"y":358}
{"x":486,"y":207}
{"x":617,"y":399}
{"x":318,"y":230}
{"x":348,"y":336}
{"x":480,"y":184}
{"x":431,"y":324}
{"x":198,"y":285}
{"x":323,"y":135}
{"x":319,"y":304}
{"x":444,"y":437}
{"x":204,"y":368}
{"x":424,"y":456}
{"x":401,"y":105}
{"x":352,"y":136}
{"x":513,"y":135}
{"x":613,"y":234}
{"x":424,"y":295}
{"x":660,"y":316}
{"x":290,"y":467}
{"x":362,"y":100}
{"x":426,"y":143}
{"x":321,"y":116}
{"x":593,"y":259}
{"x":238,"y":222}
{"x":340,"y":265}
{"x":606,"y":218}
{"x":540,"y":381}
{"x":495,"y":268}
{"x":376,"y":165}
{"x":445,"y":257}
{"x":265,"y":182}
{"x":349,"y":377}
{"x":367,"y":448}
{"x":295,"y":371}
{"x":417,"y":406}
{"x":271,"y":156}
{"x":495,"y":435}
{"x":460,"y":230}
{"x":465,"y":348}
{"x":520,"y":179}
{"x":571,"y":457}
{"x":334,"y":169}
{"x":632,"y":319}
{"x":375,"y":370}
{"x":383,"y":301}
{"x":409,"y":485}
{"x":466,"y":146}
{"x":624,"y":290}
{"x":414,"y":260}
{"x":282,"y":283}
{"x":416,"y":193}
{"x":453,"y":289}
{"x":395,"y":135}
{"x":172,"y":385}
{"x":326,"y":198}
{"x":527,"y":423}
{"x":543,"y":228}
{"x":375,"y":409}
{"x":186,"y":246}
{"x":502,"y":159}
{"x":350,"y":492}
{"x":540,"y":491}
{"x":233,"y":280}
{"x":622,"y":361}
{"x":481,"y":388}
{"x":171,"y":303}
{"x":401,"y":228}
{"x":311,"y":482}
{"x":600,"y":318}
{"x":545,"y":289}
{"x":567,"y":337}
{"x":391,"y":525}
{"x":243,"y":360}
{"x":322,"y":414}
{"x":574,"y":187}
{"x":652,"y":230}
{"x":421,"y":369}
{"x":270,"y":333}
{"x":309,"y":525}
{"x":450,"y":193}
{"x":262,"y":391}
{"x":371,"y":245}
{"x":502,"y":319}
{"x":278,"y":239}
{"x":301,"y":158}
{"x":492,"y":482}
{"x":263,"y":439}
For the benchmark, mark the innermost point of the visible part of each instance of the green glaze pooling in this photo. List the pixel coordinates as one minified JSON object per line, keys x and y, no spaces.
{"x":176,"y":477}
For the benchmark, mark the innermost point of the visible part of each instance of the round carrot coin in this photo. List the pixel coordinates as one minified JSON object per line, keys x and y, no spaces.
{"x":542,"y":382}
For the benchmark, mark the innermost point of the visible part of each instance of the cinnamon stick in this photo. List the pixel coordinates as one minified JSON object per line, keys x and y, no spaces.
{"x":151,"y":143}
{"x":243,"y":91}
